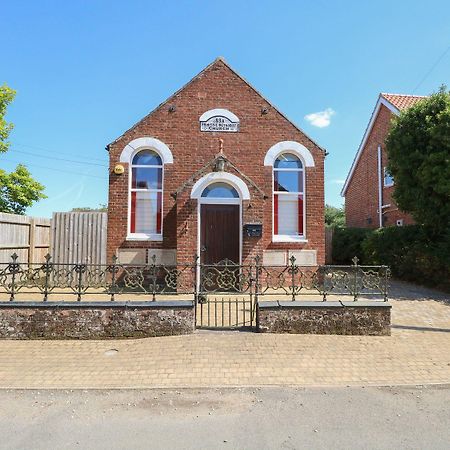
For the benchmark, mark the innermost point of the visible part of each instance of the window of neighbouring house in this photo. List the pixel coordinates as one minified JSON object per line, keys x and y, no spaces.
{"x":388,"y":178}
{"x":288,"y":197}
{"x":146,"y":191}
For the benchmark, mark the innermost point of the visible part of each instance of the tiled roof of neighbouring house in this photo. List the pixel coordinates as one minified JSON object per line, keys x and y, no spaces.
{"x":402,"y":101}
{"x":396,"y":103}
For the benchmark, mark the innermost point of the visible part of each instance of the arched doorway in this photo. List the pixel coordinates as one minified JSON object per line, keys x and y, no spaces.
{"x":220,"y":216}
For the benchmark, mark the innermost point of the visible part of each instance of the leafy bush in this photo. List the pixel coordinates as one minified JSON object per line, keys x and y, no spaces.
{"x":347,"y":243}
{"x":409,"y":251}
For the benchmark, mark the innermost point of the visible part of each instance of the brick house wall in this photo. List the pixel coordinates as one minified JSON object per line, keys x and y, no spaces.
{"x":176,"y":123}
{"x":361,"y":196}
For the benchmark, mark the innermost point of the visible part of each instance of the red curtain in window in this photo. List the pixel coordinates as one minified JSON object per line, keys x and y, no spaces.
{"x":133,"y":213}
{"x":275,"y":214}
{"x":300,"y":214}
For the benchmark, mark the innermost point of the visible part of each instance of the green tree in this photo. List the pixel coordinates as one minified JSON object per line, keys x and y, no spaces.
{"x":334,"y":217}
{"x":101,"y":208}
{"x":6,"y":97}
{"x":418,"y":146}
{"x":18,"y":190}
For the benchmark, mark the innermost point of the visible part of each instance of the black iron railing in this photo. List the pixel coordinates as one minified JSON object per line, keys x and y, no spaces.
{"x":152,"y":281}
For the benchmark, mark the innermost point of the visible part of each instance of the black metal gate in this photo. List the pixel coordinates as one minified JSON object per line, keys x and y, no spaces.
{"x":226,"y":311}
{"x":226,"y":297}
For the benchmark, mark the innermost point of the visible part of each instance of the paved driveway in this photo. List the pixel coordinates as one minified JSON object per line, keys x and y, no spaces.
{"x":418,"y":352}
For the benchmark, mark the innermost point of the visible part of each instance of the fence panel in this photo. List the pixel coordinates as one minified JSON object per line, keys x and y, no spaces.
{"x":29,"y":237}
{"x":79,"y":237}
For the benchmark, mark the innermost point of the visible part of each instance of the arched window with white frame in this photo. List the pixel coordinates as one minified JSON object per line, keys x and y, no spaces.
{"x":288,"y":198}
{"x":146,"y":195}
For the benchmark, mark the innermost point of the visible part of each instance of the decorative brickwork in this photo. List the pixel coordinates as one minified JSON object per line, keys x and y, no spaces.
{"x":20,"y":320}
{"x":350,"y":318}
{"x":176,"y":123}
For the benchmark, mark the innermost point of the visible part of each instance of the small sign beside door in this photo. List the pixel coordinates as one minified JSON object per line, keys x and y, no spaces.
{"x":253,"y":230}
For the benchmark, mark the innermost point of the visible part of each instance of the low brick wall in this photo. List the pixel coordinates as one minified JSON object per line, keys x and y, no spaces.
{"x":351,"y":318}
{"x":95,"y":320}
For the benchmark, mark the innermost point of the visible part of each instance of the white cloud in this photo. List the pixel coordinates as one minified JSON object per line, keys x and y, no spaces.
{"x":338,"y":181}
{"x":320,"y":119}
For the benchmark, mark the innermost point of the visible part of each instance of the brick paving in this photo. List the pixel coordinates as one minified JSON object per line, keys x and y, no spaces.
{"x":418,"y":352}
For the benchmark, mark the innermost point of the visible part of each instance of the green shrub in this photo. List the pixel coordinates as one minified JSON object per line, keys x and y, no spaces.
{"x":411,"y":254}
{"x":347,"y":243}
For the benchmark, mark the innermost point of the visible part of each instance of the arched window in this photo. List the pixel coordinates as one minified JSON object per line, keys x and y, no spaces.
{"x":146,"y":195}
{"x":288,"y":197}
{"x":220,"y":190}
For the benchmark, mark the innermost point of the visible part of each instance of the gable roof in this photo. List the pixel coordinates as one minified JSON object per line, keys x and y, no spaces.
{"x":402,"y":101}
{"x":395,"y":103}
{"x":218,"y":60}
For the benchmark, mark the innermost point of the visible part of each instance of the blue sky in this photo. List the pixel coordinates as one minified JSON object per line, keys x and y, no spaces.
{"x":85,"y":71}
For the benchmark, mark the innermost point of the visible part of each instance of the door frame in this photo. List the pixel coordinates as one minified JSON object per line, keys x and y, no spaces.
{"x":216,"y":201}
{"x":219,"y":201}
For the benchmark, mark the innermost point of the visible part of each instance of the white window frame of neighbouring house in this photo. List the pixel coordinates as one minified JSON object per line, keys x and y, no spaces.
{"x":305,"y":159}
{"x":388,"y":179}
{"x":161,"y":156}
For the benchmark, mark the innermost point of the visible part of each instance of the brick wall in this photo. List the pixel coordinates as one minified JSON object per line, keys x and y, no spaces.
{"x":217,"y":87}
{"x":361,"y":198}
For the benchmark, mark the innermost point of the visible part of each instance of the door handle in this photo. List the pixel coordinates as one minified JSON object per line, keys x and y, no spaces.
{"x":203,"y":248}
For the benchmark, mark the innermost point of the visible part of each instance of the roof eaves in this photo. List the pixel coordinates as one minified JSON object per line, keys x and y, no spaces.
{"x":221,"y":59}
{"x":166,"y":101}
{"x":272,"y":105}
{"x":381,"y":101}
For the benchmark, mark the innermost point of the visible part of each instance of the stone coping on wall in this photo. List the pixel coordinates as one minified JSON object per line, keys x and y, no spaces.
{"x":363,"y":318}
{"x":167,"y":304}
{"x":320,"y":304}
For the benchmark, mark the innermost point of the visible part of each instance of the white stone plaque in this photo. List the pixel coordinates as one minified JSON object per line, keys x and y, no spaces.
{"x":220,"y":120}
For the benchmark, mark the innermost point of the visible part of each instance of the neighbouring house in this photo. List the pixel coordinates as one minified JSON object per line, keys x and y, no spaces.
{"x":369,"y":187}
{"x":217,"y":171}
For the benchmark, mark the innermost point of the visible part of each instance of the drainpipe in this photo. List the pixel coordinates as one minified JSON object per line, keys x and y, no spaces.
{"x":380,"y":189}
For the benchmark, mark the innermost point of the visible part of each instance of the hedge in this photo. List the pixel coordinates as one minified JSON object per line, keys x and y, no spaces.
{"x":409,"y":251}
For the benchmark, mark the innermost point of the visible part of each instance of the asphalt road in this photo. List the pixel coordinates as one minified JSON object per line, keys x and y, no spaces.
{"x":262,"y":418}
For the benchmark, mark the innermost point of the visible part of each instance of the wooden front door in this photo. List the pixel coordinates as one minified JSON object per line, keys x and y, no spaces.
{"x":219,"y":233}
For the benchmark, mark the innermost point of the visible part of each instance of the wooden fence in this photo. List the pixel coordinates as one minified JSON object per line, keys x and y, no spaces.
{"x":79,"y":237}
{"x":29,"y":237}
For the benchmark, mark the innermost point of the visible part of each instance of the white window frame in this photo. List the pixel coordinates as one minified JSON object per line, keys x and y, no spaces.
{"x":289,"y":237}
{"x":384,"y":178}
{"x":144,"y":236}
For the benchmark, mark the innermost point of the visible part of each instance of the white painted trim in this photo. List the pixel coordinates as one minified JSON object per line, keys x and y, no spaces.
{"x":144,"y":237}
{"x":225,"y":177}
{"x":286,"y":237}
{"x":217,"y":201}
{"x":138,"y":145}
{"x":289,"y":147}
{"x":381,"y":101}
{"x":219,"y":112}
{"x":289,"y":238}
{"x":380,"y":188}
{"x":146,"y":143}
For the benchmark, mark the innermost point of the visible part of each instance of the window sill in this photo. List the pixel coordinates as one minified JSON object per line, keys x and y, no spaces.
{"x":144,"y":237}
{"x":288,"y":238}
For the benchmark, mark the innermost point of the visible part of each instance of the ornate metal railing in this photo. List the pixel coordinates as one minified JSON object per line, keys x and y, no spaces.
{"x":153,"y":281}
